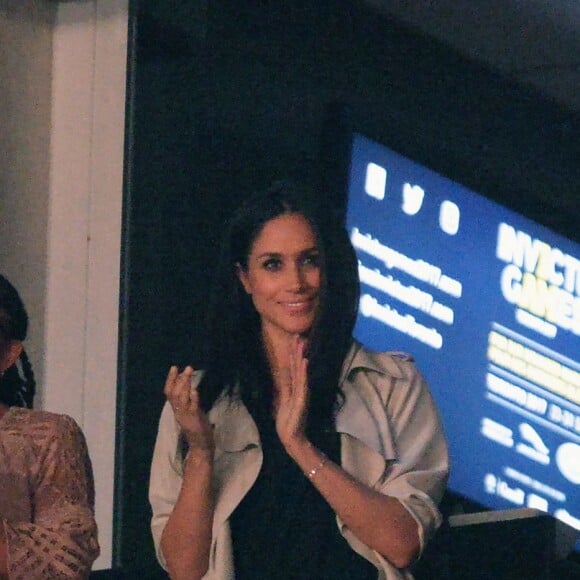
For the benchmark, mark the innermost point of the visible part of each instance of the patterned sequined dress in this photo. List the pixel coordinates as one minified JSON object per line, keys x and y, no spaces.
{"x":46,"y":496}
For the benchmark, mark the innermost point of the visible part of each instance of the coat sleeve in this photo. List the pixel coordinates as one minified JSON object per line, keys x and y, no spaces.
{"x":61,"y":541}
{"x":419,"y":474}
{"x":166,"y":475}
{"x":405,"y":454}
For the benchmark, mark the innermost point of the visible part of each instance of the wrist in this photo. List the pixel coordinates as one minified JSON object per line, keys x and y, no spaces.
{"x":310,"y":459}
{"x":199,"y":442}
{"x":297,"y":447}
{"x":197,"y":458}
{"x":313,"y":471}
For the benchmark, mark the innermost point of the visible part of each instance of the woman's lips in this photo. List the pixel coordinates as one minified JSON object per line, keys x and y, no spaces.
{"x":298,"y":306}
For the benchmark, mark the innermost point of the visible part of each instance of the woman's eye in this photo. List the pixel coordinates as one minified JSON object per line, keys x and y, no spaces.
{"x":312,"y":260}
{"x":272,"y":265}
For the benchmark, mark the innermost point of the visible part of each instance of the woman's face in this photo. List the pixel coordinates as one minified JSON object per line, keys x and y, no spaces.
{"x":283,"y":276}
{"x":9,"y":352}
{"x":4,"y":346}
{"x":9,"y":349}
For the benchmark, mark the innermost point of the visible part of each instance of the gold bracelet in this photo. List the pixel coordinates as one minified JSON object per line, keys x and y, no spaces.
{"x":312,"y":472}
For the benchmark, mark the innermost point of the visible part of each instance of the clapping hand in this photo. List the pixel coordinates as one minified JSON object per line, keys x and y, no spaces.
{"x":184,"y":401}
{"x":293,"y":398}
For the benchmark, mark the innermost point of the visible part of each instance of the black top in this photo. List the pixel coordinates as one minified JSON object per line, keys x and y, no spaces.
{"x":284,"y":529}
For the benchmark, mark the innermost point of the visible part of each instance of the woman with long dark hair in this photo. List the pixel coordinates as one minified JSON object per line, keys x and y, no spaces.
{"x":296,"y":453}
{"x":47,"y":524}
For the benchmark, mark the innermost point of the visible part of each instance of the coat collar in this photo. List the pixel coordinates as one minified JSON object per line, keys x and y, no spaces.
{"x":353,"y":417}
{"x":361,"y":418}
{"x":239,"y":429}
{"x":359,"y":357}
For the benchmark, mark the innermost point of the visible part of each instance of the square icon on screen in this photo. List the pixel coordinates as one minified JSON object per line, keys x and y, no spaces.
{"x":449,"y":217}
{"x":376,"y":181}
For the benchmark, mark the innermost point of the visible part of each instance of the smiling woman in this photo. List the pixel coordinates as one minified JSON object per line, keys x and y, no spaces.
{"x":282,"y":275}
{"x":299,"y":454}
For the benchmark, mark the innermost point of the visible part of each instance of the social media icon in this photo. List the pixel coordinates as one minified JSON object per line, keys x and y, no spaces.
{"x":412,"y":198}
{"x":568,"y":461}
{"x":376,"y":181}
{"x":449,"y":217}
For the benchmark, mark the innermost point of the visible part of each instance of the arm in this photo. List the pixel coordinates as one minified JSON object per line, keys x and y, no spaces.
{"x":61,"y":541}
{"x":377,"y":517}
{"x":379,"y":521}
{"x":186,"y":539}
{"x":183,"y":509}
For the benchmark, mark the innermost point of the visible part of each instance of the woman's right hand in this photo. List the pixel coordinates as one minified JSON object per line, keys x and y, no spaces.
{"x":187,"y":533}
{"x":184,"y":401}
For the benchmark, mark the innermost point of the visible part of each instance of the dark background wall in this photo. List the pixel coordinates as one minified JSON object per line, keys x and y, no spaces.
{"x":224,"y":97}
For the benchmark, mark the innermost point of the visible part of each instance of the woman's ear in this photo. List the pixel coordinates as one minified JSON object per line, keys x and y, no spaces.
{"x":243,"y":278}
{"x":10,"y":356}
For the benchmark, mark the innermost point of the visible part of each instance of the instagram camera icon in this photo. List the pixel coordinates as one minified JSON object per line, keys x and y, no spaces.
{"x":449,"y":216}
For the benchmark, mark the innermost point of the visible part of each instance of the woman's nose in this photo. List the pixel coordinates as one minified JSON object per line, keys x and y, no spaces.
{"x":296,"y":278}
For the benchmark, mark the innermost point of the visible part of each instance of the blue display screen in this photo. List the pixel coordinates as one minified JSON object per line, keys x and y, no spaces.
{"x":488,"y":303}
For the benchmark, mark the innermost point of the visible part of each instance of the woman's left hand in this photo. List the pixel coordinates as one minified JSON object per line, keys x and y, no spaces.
{"x":292,"y":408}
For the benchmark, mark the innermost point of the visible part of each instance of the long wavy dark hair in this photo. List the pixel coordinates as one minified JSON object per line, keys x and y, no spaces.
{"x":235,"y":359}
{"x":16,"y":390}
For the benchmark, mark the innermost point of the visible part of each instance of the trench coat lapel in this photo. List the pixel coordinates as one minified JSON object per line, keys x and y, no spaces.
{"x":238,"y":456}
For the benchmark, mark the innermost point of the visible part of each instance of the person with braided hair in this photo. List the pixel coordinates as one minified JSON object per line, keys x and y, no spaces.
{"x":47,"y":523}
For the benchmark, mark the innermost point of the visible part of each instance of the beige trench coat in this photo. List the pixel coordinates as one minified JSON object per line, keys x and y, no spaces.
{"x":391,"y":439}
